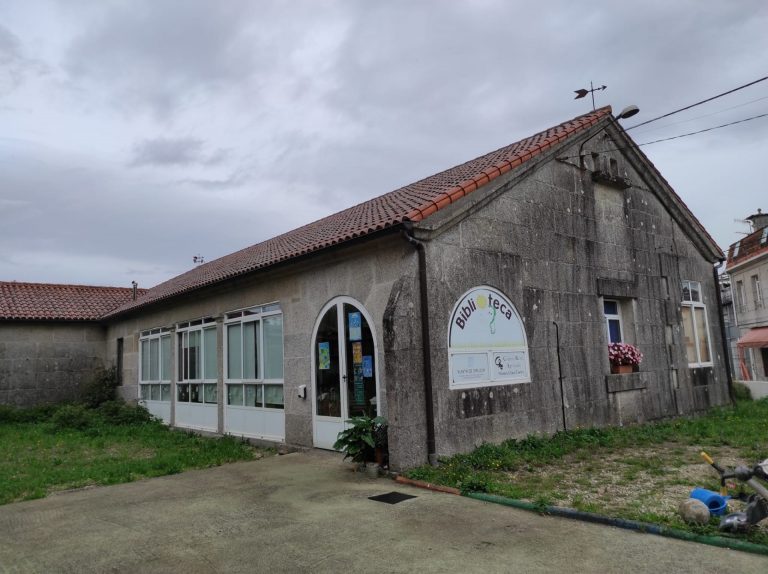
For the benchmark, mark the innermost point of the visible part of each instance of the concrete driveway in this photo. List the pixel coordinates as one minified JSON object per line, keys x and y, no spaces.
{"x":307,"y":512}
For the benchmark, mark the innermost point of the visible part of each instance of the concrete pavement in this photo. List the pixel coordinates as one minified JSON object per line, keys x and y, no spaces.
{"x":307,"y":512}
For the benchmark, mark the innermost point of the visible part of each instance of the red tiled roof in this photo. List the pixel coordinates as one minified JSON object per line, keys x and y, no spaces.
{"x":46,"y":302}
{"x":413,"y":202}
{"x":752,"y":246}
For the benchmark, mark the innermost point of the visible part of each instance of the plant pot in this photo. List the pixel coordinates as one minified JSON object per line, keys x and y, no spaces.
{"x":622,"y":369}
{"x":372,"y":470}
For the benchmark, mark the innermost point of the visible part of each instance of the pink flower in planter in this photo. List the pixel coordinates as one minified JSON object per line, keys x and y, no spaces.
{"x":624,"y":354}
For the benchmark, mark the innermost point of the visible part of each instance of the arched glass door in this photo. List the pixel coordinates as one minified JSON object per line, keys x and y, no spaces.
{"x":345,"y":382}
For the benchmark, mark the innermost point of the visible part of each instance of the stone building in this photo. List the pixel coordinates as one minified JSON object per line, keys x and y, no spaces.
{"x":52,"y":339}
{"x":748,"y":270}
{"x":472,"y":306}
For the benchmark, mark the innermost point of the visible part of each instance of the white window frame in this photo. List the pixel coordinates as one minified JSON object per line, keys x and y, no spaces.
{"x":182,"y":330}
{"x":755,"y":279}
{"x":150,"y":384}
{"x":609,"y":317}
{"x":694,"y":304}
{"x":741,"y":295}
{"x":252,"y":315}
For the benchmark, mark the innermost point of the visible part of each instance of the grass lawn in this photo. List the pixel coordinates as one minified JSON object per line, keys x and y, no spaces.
{"x":44,"y":451}
{"x":640,"y":473}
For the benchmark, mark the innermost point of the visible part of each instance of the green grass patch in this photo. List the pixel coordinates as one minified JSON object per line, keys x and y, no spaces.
{"x":531,"y":468}
{"x":58,"y":448}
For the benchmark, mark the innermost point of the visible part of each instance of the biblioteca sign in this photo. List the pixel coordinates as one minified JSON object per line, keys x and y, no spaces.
{"x":486,"y":341}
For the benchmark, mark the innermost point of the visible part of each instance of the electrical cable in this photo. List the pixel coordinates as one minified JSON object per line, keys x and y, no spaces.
{"x":702,"y":116}
{"x":698,"y":103}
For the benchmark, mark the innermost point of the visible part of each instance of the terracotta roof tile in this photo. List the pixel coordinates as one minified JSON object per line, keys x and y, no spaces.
{"x":750,"y":247}
{"x":413,"y":202}
{"x":48,"y":302}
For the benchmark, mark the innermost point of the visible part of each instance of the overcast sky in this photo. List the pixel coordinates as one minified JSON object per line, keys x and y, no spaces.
{"x":137,"y":134}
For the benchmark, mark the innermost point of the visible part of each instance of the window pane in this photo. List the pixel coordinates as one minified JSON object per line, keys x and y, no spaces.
{"x":211,"y":392}
{"x":154,"y":393}
{"x":165,"y":358}
{"x":211,"y":361}
{"x":695,"y":291}
{"x":234,"y":350}
{"x":686,"y":291}
{"x":165,"y":392}
{"x":701,"y":331}
{"x":327,"y":366}
{"x":192,"y":351}
{"x":145,"y":360}
{"x":610,"y":307}
{"x":182,"y":393}
{"x":273,"y":347}
{"x":154,"y":359}
{"x":144,"y":392}
{"x":182,"y":357}
{"x":194,"y":393}
{"x":250,"y":350}
{"x":235,"y":395}
{"x":688,"y":336}
{"x":614,"y":331}
{"x":253,"y":396}
{"x":273,"y":396}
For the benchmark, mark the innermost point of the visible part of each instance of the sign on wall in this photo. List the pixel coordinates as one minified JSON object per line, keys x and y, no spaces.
{"x":486,"y":341}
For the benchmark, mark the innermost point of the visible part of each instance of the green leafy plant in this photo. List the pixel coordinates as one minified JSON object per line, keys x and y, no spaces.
{"x":100,"y":388}
{"x":359,"y":441}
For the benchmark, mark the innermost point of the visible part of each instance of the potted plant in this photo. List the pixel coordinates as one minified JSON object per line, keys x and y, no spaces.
{"x":360,"y":441}
{"x":624,"y":358}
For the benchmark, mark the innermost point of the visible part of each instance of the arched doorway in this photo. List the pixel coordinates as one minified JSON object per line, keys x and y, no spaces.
{"x":344,"y":369}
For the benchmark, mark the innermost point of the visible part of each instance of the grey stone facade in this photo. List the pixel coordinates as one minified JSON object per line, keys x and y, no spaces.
{"x":47,"y":362}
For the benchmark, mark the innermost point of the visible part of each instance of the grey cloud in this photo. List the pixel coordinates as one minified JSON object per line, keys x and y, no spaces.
{"x":174,"y":151}
{"x":14,"y":64}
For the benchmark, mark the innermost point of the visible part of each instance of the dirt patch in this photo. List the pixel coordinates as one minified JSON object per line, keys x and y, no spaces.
{"x":643,"y":483}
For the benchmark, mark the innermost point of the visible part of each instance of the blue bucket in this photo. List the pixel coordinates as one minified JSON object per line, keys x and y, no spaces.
{"x":716,"y":502}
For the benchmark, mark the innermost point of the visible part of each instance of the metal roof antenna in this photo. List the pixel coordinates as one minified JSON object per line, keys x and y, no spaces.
{"x":135,"y":288}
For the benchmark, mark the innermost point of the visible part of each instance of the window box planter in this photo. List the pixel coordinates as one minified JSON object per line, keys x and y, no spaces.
{"x":622,"y":369}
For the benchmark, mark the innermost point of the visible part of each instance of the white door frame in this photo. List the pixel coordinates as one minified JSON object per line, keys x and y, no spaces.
{"x":339,"y":302}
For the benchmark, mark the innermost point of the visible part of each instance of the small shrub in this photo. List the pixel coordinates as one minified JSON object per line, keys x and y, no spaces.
{"x":100,"y":388}
{"x":121,"y":413}
{"x":43,"y":413}
{"x":741,"y":392}
{"x":75,"y":417}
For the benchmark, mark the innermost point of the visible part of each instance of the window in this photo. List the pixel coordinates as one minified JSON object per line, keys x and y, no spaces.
{"x":155,"y":361}
{"x":254,"y":357}
{"x":197,"y":362}
{"x":736,"y":250}
{"x":741,"y":296}
{"x":695,"y":326}
{"x":119,"y":361}
{"x":613,"y":320}
{"x":764,"y":237}
{"x":487,"y":345}
{"x":756,"y":294}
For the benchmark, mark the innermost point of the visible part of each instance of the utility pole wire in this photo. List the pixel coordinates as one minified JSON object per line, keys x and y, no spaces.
{"x":698,"y":103}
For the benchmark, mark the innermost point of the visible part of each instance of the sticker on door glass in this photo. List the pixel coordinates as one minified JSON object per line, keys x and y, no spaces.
{"x":357,"y":353}
{"x":355,"y":326}
{"x":368,"y":366}
{"x":359,"y":384}
{"x":324,"y":356}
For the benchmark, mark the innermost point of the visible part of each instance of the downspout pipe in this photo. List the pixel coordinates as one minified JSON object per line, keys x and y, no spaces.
{"x":723,"y":335}
{"x":425,"y":344}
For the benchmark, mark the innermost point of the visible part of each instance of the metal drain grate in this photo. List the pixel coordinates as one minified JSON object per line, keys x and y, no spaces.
{"x":391,"y":497}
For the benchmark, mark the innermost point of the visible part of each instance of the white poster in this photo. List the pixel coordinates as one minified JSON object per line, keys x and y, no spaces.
{"x":469,"y":367}
{"x":486,"y":341}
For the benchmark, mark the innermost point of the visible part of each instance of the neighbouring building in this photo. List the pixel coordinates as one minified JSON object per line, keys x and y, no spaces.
{"x":52,"y":340}
{"x":472,"y":306}
{"x":748,"y":270}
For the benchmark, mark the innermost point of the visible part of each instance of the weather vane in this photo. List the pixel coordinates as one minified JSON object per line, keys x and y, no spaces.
{"x":582,"y":93}
{"x":198,"y":259}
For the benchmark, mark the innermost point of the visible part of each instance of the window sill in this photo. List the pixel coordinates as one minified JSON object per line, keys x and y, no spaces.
{"x":626,"y":382}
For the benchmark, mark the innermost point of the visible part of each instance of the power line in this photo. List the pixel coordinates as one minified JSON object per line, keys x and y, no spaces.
{"x":705,"y":130}
{"x":698,"y":103}
{"x":675,"y":137}
{"x":703,"y":116}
